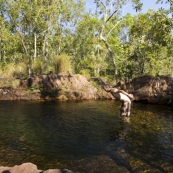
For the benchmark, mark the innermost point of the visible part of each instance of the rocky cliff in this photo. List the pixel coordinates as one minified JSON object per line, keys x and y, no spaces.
{"x":53,"y":86}
{"x":158,"y":90}
{"x":147,"y":88}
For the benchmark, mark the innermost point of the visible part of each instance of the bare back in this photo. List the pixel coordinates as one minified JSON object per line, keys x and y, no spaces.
{"x":121,"y":97}
{"x":118,"y":95}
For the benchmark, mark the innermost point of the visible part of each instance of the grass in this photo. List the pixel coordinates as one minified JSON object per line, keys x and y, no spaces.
{"x":9,"y":82}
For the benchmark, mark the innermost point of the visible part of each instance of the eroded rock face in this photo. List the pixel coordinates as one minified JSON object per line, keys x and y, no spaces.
{"x":151,"y":89}
{"x":147,"y":88}
{"x":54,"y":86}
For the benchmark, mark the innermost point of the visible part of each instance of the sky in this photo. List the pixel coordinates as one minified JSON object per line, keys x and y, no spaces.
{"x":147,"y":4}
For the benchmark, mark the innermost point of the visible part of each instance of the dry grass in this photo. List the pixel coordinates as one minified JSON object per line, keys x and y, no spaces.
{"x":62,"y":64}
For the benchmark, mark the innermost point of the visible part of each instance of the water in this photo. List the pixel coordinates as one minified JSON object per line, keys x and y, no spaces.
{"x":86,"y":136}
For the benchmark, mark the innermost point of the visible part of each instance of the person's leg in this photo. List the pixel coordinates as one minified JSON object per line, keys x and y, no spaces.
{"x":128,"y":109}
{"x":124,"y":107}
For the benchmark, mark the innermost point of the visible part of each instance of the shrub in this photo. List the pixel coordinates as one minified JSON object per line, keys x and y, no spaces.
{"x":13,"y":70}
{"x":37,"y":66}
{"x":85,"y":72}
{"x":62,"y":64}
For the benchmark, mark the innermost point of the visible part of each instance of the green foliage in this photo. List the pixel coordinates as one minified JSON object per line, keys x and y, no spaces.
{"x":89,"y":53}
{"x":43,"y":36}
{"x":150,"y":37}
{"x":33,"y":88}
{"x":38,"y":66}
{"x":9,"y":82}
{"x":13,"y":70}
{"x":85,"y":72}
{"x":34,"y":29}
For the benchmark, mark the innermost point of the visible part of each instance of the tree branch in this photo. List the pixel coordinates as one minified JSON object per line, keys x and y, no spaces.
{"x":111,"y":16}
{"x":112,"y":29}
{"x":23,"y":43}
{"x":103,"y":3}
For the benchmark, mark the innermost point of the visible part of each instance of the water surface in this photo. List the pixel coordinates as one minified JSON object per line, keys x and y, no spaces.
{"x":86,"y":136}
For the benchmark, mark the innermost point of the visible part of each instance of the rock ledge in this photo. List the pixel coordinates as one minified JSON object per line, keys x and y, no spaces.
{"x":30,"y":168}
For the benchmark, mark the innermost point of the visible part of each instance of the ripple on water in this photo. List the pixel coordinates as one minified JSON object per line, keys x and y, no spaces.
{"x":87,"y":136}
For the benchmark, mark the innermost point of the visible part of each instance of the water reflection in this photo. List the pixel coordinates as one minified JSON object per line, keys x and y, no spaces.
{"x":87,"y":136}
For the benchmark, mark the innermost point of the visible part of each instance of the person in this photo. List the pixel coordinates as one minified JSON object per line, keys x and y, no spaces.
{"x":124,"y":97}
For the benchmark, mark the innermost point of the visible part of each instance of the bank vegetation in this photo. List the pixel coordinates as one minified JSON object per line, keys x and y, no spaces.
{"x":63,"y":37}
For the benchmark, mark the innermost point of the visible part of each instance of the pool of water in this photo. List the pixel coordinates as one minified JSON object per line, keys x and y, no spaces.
{"x":86,"y":136}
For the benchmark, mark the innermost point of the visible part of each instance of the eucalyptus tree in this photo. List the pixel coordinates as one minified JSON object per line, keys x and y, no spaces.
{"x":107,"y":10}
{"x":29,"y":20}
{"x":36,"y":23}
{"x":70,"y":13}
{"x":150,"y":38}
{"x":9,"y":44}
{"x":87,"y":48}
{"x":110,"y":11}
{"x":118,"y":40}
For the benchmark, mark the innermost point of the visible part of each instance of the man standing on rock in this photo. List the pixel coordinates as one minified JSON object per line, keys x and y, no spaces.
{"x":124,"y":97}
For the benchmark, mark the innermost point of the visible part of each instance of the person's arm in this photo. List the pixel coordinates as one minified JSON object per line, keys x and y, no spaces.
{"x":107,"y":88}
{"x":115,"y":90}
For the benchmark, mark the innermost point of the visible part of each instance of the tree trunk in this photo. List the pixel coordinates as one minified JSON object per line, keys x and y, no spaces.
{"x":59,"y":50}
{"x":111,"y":55}
{"x":106,"y":19}
{"x":45,"y":46}
{"x":35,"y":45}
{"x":0,"y":49}
{"x":27,"y":55}
{"x":23,"y":43}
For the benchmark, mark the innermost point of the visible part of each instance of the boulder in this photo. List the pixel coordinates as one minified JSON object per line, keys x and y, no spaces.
{"x":158,"y":90}
{"x":54,"y":86}
{"x":146,"y":88}
{"x":30,"y":168}
{"x":24,"y":168}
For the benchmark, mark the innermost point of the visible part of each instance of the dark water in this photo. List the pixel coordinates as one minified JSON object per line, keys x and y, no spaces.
{"x":86,"y":136}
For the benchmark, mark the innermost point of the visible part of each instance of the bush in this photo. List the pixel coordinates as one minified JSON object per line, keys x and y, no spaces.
{"x":13,"y":70}
{"x":37,"y":66}
{"x":62,"y":64}
{"x":85,"y":72}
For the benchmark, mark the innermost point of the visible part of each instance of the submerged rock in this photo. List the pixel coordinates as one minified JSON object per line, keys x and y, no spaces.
{"x":30,"y":168}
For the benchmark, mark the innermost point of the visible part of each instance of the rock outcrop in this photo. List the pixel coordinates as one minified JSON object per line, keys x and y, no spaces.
{"x":54,"y":86}
{"x":150,"y":89}
{"x":147,"y":88}
{"x":30,"y":168}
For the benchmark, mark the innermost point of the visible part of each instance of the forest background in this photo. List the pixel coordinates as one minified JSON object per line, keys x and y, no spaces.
{"x":39,"y":36}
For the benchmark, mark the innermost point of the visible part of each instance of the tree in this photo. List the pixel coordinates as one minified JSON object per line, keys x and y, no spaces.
{"x":89,"y":53}
{"x":37,"y":23}
{"x":107,"y":10}
{"x":150,"y":37}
